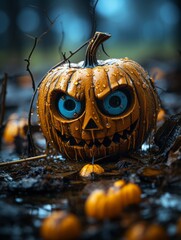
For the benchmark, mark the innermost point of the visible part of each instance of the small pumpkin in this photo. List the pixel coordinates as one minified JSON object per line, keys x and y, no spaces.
{"x":119,"y":183}
{"x":145,"y":231}
{"x":102,"y":204}
{"x":97,"y":108}
{"x":130,"y":194}
{"x":15,"y":126}
{"x":89,"y":169}
{"x":60,"y":225}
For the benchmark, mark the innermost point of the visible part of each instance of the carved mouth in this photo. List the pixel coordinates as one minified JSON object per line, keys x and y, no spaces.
{"x":116,"y":138}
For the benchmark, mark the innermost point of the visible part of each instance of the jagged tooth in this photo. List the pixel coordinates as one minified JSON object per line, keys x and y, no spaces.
{"x":110,"y":138}
{"x":67,"y":143}
{"x":101,"y":140}
{"x":77,"y":140}
{"x":88,"y":142}
{"x":121,"y":134}
{"x":85,"y":147}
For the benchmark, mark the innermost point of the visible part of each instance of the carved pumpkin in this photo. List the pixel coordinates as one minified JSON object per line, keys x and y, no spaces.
{"x":97,"y":108}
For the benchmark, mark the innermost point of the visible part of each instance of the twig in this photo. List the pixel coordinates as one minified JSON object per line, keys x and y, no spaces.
{"x":31,"y":145}
{"x":93,"y":13}
{"x":3,"y":99}
{"x":3,"y":105}
{"x":71,"y":54}
{"x":48,"y":30}
{"x":28,"y":62}
{"x":23,"y":160}
{"x":62,"y":40}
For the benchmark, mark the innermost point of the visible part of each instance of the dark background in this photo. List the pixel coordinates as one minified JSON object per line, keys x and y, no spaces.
{"x":141,"y":30}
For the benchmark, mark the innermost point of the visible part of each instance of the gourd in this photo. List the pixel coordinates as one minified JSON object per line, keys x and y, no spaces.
{"x":102,"y":204}
{"x":96,"y":108}
{"x":60,"y":225}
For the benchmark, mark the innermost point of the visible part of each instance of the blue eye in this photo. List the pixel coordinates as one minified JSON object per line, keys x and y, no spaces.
{"x":69,"y":107}
{"x":115,"y":103}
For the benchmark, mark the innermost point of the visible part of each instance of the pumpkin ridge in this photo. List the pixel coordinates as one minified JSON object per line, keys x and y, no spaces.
{"x":142,"y":130}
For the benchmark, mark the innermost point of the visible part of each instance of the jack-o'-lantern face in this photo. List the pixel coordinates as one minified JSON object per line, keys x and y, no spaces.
{"x":97,"y":109}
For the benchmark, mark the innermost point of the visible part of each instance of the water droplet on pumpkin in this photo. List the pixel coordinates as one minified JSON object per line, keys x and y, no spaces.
{"x":108,"y":125}
{"x":144,"y":85}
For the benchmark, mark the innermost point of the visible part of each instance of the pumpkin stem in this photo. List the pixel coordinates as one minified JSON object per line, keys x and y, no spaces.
{"x":90,"y":56}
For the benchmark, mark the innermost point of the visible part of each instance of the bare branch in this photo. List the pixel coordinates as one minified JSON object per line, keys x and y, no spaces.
{"x":50,"y":27}
{"x":3,"y":104}
{"x":31,"y":145}
{"x":28,"y":62}
{"x":36,"y":40}
{"x":3,"y":99}
{"x":23,"y":160}
{"x":93,"y":15}
{"x":62,"y":39}
{"x":71,"y":54}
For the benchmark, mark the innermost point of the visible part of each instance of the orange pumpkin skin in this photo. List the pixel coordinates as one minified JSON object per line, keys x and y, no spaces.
{"x":94,"y":133}
{"x":145,"y":231}
{"x":89,"y":169}
{"x":60,"y":225}
{"x":102,"y":204}
{"x":129,"y":194}
{"x":15,"y":126}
